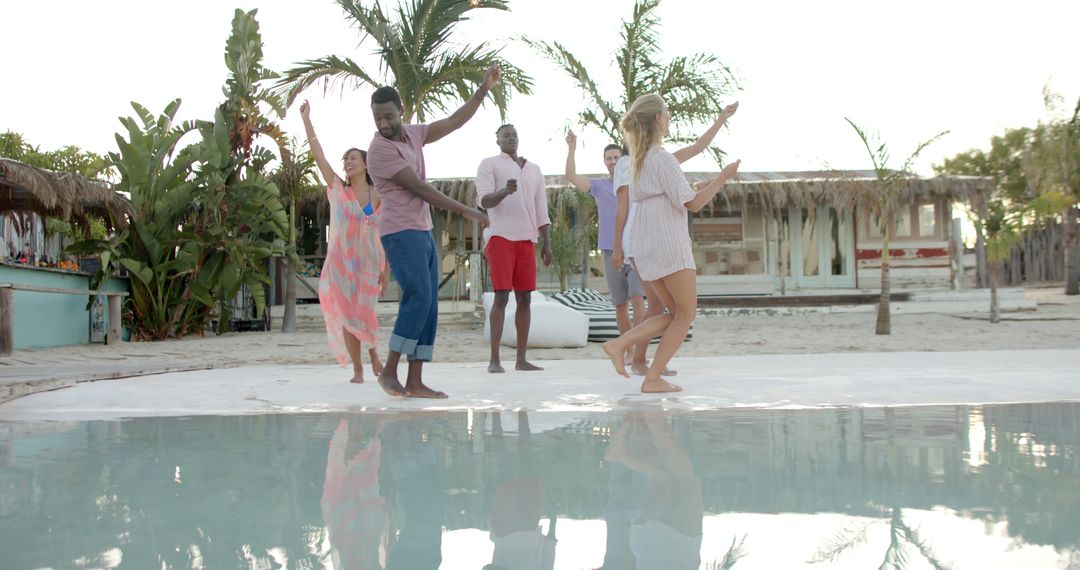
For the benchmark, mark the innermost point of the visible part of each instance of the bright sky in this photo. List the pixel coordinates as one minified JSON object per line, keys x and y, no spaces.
{"x":905,"y":69}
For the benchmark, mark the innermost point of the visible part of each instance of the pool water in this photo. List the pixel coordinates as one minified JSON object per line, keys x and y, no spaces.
{"x":925,"y":487}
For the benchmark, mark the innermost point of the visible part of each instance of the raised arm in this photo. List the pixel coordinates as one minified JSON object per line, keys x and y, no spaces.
{"x":705,"y":195}
{"x":443,"y":127}
{"x":317,"y":153}
{"x":407,"y":178}
{"x":579,"y":181}
{"x":684,"y":154}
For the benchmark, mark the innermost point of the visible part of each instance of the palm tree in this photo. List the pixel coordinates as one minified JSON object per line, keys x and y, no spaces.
{"x":693,"y":86}
{"x":295,"y":179}
{"x":417,"y":57}
{"x":896,"y":553}
{"x":881,"y":200}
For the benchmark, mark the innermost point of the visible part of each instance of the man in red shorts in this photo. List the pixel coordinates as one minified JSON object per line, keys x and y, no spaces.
{"x":512,"y":191}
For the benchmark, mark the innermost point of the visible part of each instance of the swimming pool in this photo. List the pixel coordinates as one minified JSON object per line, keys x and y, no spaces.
{"x":994,"y":486}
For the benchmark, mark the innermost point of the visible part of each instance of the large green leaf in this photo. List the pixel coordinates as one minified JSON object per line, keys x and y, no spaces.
{"x":138,"y":270}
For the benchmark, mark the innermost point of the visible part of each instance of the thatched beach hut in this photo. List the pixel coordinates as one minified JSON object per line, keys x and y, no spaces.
{"x":70,"y":197}
{"x":769,"y":231}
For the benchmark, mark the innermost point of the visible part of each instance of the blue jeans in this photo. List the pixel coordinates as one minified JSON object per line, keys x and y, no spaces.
{"x":415,"y":263}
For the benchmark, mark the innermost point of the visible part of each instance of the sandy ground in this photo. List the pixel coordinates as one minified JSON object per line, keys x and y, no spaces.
{"x":1054,"y":325}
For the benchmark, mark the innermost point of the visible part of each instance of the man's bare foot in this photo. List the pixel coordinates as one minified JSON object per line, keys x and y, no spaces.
{"x":658,"y":386}
{"x":495,"y":368}
{"x":616,"y":357}
{"x":526,"y":366}
{"x":357,"y":376}
{"x":422,"y":391}
{"x":388,"y":381}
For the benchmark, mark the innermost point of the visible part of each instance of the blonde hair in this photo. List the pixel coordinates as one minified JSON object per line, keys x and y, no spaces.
{"x":640,"y":128}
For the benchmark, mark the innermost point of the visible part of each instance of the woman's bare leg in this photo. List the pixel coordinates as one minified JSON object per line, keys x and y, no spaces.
{"x":353,"y":347}
{"x":679,"y":292}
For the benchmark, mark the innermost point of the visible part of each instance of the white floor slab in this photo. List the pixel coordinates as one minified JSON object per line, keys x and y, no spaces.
{"x":768,"y":382}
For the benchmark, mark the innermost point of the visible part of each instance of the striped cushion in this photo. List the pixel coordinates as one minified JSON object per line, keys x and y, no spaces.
{"x":601,"y":313}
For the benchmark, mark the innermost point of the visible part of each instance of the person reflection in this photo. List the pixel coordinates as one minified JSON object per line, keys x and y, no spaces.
{"x":516,"y":507}
{"x":353,"y":511}
{"x":411,"y":481}
{"x":666,"y":532}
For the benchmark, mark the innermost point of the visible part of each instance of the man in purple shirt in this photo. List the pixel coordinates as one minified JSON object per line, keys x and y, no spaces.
{"x":623,"y":282}
{"x":396,"y":165}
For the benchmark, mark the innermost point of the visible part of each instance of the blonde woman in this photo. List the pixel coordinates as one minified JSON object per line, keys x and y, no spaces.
{"x":660,"y":236}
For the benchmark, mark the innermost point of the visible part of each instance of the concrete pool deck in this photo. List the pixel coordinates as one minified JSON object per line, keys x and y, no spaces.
{"x":758,"y":381}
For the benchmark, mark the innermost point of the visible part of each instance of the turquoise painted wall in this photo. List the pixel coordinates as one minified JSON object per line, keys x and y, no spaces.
{"x":51,"y":319}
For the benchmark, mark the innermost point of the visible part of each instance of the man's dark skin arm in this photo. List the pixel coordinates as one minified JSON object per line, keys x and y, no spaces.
{"x":407,"y":179}
{"x":443,"y":127}
{"x":489,"y":201}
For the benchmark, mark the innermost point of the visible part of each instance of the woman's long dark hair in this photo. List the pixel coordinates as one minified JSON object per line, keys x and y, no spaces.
{"x":363,"y":154}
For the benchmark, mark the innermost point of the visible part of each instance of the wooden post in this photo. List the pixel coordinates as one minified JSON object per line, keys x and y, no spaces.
{"x":7,"y":317}
{"x":113,"y":334}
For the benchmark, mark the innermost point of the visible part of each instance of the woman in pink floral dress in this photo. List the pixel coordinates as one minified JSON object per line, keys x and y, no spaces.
{"x":355,"y":271}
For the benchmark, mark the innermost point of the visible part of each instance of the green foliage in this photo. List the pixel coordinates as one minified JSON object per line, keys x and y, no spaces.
{"x":692,"y":86}
{"x":1004,"y":162}
{"x":417,"y":56}
{"x":206,"y":217}
{"x":67,"y":159}
{"x":571,"y":212}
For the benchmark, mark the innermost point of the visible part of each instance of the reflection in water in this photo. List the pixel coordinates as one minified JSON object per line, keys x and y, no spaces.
{"x":666,"y":533}
{"x":989,"y":486}
{"x":517,"y":503}
{"x":355,"y":514}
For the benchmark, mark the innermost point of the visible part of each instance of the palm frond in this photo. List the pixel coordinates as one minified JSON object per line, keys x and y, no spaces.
{"x":734,"y":553}
{"x":845,"y":540}
{"x":560,"y":56}
{"x":332,"y":70}
{"x":640,"y":43}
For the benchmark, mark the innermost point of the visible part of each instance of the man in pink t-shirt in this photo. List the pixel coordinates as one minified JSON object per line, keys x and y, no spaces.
{"x":512,"y":191}
{"x":396,"y":166}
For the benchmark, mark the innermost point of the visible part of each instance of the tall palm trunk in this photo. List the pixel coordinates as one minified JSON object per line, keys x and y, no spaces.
{"x":995,"y":308}
{"x":1072,"y":253}
{"x":884,"y":324}
{"x":288,"y":322}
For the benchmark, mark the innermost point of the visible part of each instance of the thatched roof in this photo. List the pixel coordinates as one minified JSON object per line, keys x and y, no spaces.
{"x":774,"y":190}
{"x":25,"y":188}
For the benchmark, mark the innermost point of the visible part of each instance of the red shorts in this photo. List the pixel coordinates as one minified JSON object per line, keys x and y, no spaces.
{"x":512,"y":264}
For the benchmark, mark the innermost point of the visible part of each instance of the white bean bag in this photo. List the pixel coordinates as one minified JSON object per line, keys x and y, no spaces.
{"x":552,"y":325}
{"x":601,"y":313}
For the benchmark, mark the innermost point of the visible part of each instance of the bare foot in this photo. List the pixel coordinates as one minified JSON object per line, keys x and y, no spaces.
{"x":495,"y":368}
{"x":357,"y":377}
{"x":376,"y":364}
{"x":642,"y":369}
{"x":389,"y":382}
{"x":526,"y":366}
{"x":422,"y":391}
{"x":616,"y":357}
{"x":659,"y":385}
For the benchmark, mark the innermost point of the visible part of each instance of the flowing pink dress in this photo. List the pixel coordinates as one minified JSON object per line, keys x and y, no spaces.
{"x":349,"y":282}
